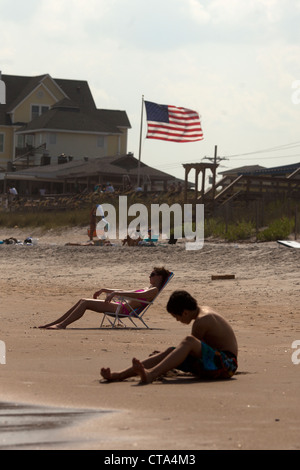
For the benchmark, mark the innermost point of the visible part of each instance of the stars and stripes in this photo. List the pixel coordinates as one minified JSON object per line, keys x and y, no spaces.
{"x":172,"y":124}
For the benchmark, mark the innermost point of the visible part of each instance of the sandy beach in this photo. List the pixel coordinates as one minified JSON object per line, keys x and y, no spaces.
{"x":257,"y":409}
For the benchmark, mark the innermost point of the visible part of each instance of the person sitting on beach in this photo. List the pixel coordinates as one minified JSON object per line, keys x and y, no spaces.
{"x":209,"y":352}
{"x":132,"y":241}
{"x":158,"y":277}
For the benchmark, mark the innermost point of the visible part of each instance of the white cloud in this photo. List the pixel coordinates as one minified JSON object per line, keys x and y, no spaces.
{"x":198,"y":12}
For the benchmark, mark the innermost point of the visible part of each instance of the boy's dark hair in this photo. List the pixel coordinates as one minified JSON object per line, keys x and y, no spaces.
{"x":179,"y":301}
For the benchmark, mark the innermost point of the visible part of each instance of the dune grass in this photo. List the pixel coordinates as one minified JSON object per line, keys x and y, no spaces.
{"x":241,"y":226}
{"x":45,"y":220}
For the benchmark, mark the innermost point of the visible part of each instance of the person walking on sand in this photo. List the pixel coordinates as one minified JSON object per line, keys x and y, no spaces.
{"x":209,"y":352}
{"x":93,"y":222}
{"x":158,"y":277}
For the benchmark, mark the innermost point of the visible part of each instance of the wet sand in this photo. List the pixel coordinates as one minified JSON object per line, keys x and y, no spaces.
{"x":257,"y":409}
{"x":30,"y":427}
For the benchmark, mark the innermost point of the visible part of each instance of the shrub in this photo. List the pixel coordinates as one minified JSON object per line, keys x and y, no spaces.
{"x":240,"y":231}
{"x":277,"y":230}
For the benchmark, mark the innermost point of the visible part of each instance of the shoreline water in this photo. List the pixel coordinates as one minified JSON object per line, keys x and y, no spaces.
{"x":33,"y":427}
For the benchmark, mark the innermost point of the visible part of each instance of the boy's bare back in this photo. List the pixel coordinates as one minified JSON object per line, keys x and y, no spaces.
{"x":214,"y":330}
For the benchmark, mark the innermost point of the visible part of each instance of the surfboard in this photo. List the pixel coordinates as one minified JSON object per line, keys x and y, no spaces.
{"x":289,"y":243}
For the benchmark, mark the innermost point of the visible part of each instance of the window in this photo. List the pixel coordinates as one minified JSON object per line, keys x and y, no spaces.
{"x":25,"y":140}
{"x":100,"y":141}
{"x":20,"y":141}
{"x":1,"y":143}
{"x":37,"y":110}
{"x":52,"y":139}
{"x":2,"y":92}
{"x":29,"y":140}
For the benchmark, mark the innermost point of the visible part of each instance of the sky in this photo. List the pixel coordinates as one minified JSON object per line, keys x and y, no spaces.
{"x":235,"y":62}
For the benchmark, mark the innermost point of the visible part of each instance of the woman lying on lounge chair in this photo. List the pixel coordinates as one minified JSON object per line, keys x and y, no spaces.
{"x":158,"y":277}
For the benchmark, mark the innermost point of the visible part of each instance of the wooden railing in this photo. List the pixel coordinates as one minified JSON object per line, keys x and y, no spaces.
{"x":250,"y":185}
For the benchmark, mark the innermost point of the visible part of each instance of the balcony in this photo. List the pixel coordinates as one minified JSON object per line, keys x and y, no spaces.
{"x":27,"y":156}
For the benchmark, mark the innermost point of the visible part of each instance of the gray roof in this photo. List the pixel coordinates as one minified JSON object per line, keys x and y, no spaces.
{"x":70,"y":119}
{"x":118,"y":166}
{"x":276,"y":170}
{"x":260,"y":170}
{"x":242,"y":169}
{"x":18,"y":87}
{"x":78,"y":102}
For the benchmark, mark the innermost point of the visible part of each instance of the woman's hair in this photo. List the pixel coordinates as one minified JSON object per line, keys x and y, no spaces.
{"x":164,"y":273}
{"x":179,"y":301}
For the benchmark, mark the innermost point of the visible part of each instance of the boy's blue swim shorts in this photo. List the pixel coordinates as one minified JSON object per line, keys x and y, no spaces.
{"x":212,"y":364}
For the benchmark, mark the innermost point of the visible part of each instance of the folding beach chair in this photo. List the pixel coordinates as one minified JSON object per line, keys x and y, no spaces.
{"x":134,"y":313}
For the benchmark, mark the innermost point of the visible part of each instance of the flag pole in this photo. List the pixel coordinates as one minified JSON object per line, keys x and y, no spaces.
{"x":140,"y":149}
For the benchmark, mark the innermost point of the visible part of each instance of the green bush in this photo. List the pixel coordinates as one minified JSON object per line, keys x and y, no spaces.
{"x":238,"y":227}
{"x":232,"y":232}
{"x":239,"y":231}
{"x":277,"y":230}
{"x":214,"y":228}
{"x":45,"y":220}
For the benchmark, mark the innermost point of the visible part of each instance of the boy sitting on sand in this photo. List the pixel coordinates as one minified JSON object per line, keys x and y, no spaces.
{"x":209,"y":352}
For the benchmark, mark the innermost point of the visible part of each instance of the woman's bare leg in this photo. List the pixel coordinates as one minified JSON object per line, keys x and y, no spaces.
{"x":151,"y":361}
{"x":59,"y":320}
{"x":79,"y":309}
{"x":190,"y":345}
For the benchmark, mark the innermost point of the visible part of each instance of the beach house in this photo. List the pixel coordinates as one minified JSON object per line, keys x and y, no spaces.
{"x":47,"y":120}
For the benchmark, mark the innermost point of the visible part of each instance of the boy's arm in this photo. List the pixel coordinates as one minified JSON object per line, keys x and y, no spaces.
{"x":199,"y":328}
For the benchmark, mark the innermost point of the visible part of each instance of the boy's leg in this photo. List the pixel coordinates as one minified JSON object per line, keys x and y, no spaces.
{"x":190,"y":345}
{"x":148,"y":363}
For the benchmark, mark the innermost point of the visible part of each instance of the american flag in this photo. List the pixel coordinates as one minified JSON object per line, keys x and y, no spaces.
{"x":172,"y":123}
